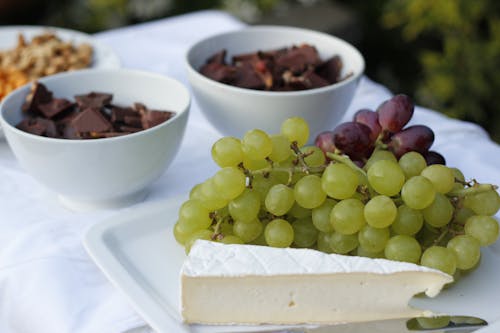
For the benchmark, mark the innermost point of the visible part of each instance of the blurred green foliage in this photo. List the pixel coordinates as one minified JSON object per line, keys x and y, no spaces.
{"x":460,"y":72}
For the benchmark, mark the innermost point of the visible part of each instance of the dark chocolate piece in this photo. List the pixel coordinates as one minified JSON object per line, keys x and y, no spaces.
{"x":93,"y":100}
{"x":54,"y":107}
{"x":38,"y":126}
{"x":90,"y":120}
{"x":330,"y":70}
{"x":219,"y":72}
{"x":39,"y":94}
{"x":152,"y":118}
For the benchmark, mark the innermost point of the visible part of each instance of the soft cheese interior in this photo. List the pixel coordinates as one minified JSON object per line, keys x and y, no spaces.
{"x":245,"y":284}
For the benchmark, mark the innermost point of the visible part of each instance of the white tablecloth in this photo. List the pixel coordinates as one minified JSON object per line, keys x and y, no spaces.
{"x":48,"y":284}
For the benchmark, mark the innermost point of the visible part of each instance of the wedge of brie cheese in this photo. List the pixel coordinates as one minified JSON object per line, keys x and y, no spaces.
{"x":246,"y":284}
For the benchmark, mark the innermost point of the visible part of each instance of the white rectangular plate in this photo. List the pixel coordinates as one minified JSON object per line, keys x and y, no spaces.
{"x":136,"y":250}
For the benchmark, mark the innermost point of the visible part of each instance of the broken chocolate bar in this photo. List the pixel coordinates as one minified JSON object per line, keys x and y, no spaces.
{"x":285,"y":69}
{"x":91,"y":116}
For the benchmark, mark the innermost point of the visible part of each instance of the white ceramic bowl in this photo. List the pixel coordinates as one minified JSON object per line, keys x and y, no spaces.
{"x":101,"y":173}
{"x":233,"y":110}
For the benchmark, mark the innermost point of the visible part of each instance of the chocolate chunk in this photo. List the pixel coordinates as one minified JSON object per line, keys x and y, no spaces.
{"x":247,"y":77}
{"x":39,"y":94}
{"x":54,"y":107}
{"x":219,"y":72}
{"x":218,"y":58}
{"x":330,"y":70}
{"x":152,"y":118}
{"x":38,"y":126}
{"x":90,"y":120}
{"x":298,"y":59}
{"x":314,"y":80}
{"x":93,"y":100}
{"x":118,"y":114}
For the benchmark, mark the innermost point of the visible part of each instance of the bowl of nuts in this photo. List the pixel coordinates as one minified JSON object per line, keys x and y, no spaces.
{"x":259,"y":76}
{"x":97,"y":137}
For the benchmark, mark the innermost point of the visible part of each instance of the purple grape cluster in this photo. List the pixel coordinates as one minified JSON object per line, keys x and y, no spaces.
{"x":386,"y":127}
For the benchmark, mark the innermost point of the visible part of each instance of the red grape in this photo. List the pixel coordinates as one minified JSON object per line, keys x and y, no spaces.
{"x":370,"y":119}
{"x":353,"y":139}
{"x":395,"y":113}
{"x":417,"y":138}
{"x":324,"y":141}
{"x":432,"y":157}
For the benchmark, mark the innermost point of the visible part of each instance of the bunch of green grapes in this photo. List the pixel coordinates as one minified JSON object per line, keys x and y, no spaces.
{"x":274,"y":190}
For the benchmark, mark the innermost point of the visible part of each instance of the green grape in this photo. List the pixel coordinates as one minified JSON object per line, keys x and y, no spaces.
{"x":180,"y":236}
{"x":418,"y":192}
{"x":408,"y":221}
{"x":230,"y":182}
{"x":261,"y":184}
{"x":347,"y":216}
{"x":343,"y":244}
{"x":227,"y":152}
{"x":253,"y":165}
{"x":380,"y":212}
{"x":315,"y":157}
{"x":256,"y":144}
{"x":247,"y":231}
{"x":297,"y":175}
{"x":440,"y":176}
{"x":295,"y":129}
{"x":412,"y":164}
{"x":386,"y":177}
{"x":339,"y":181}
{"x":232,"y":239}
{"x":192,"y":217}
{"x":321,"y":216}
{"x":226,"y":228}
{"x":261,"y":240}
{"x":483,"y":228}
{"x":304,"y":233}
{"x":428,"y":235}
{"x":361,"y":252}
{"x":246,"y":206}
{"x":484,"y":203}
{"x":279,"y":199}
{"x":467,"y":250}
{"x":200,"y":234}
{"x":458,"y":176}
{"x":323,"y":242}
{"x":210,"y":197}
{"x":403,"y":248}
{"x":280,"y":177}
{"x":281,"y":148}
{"x":195,"y":192}
{"x":440,"y":258}
{"x":298,"y":211}
{"x":379,"y":155}
{"x":308,"y":192}
{"x":440,"y":212}
{"x":279,"y":233}
{"x":373,"y":239}
{"x":462,"y":214}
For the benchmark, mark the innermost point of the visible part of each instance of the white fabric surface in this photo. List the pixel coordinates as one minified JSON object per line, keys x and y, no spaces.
{"x":48,"y":283}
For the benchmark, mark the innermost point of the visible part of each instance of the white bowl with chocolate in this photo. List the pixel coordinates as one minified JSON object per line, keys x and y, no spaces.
{"x":259,"y":76}
{"x":98,"y":138}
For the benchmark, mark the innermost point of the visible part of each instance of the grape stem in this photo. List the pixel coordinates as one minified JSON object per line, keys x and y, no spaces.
{"x":347,"y":161}
{"x":300,"y":156}
{"x":474,"y":189}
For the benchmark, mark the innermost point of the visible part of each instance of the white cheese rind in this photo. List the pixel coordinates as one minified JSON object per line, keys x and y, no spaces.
{"x":245,"y":284}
